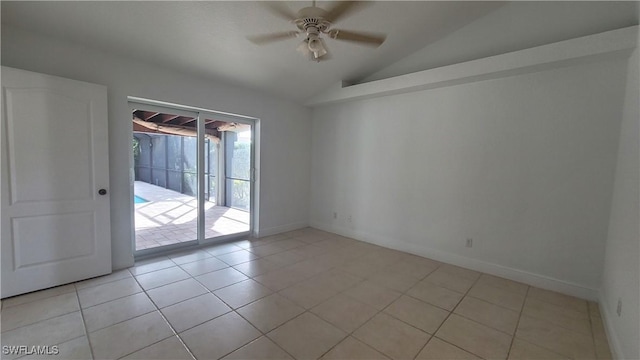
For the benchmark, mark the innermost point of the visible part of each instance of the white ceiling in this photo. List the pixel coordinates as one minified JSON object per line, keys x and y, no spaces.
{"x":208,"y":38}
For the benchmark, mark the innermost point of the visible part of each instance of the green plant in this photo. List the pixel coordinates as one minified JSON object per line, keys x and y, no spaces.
{"x":136,"y":148}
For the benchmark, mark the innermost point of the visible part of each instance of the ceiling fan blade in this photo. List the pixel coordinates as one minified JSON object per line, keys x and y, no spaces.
{"x":364,"y":38}
{"x":343,"y":9}
{"x":279,"y":9}
{"x":267,"y":38}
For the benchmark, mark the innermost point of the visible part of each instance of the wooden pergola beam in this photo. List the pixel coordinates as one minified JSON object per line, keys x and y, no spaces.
{"x":188,"y":120}
{"x":166,"y":118}
{"x":170,"y":129}
{"x":147,"y":118}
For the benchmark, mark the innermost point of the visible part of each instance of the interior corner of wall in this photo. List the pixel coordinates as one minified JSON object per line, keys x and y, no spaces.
{"x":612,"y":337}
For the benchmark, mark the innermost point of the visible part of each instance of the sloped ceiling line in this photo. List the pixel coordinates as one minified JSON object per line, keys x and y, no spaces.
{"x":534,"y":59}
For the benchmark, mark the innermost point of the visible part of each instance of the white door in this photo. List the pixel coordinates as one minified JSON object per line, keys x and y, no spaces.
{"x":54,"y":163}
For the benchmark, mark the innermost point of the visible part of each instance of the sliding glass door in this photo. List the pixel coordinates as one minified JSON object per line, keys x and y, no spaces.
{"x":238,"y":169}
{"x":192,"y":176}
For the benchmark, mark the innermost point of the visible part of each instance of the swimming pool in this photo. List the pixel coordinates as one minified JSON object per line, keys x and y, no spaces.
{"x":138,"y":200}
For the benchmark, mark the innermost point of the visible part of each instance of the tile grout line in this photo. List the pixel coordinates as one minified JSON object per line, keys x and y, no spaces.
{"x":166,"y":322}
{"x":563,"y":327}
{"x":551,"y":303}
{"x":44,"y":319}
{"x":86,"y":334}
{"x":232,"y":310}
{"x":552,"y":324}
{"x":84,"y":324}
{"x":114,"y":299}
{"x":248,"y":278}
{"x":75,"y":338}
{"x":448,"y":316}
{"x":302,"y":313}
{"x":379,"y":311}
{"x":171,"y":326}
{"x":518,"y":322}
{"x":240,"y":315}
{"x":100,"y":284}
{"x":490,"y":303}
{"x":134,"y":317}
{"x":591,"y":326}
{"x":263,"y":334}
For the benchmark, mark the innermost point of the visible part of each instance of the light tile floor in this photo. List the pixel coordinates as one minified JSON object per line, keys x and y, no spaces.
{"x":305,"y":294}
{"x":171,"y":218}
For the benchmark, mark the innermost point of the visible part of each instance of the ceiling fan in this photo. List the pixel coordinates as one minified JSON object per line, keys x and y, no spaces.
{"x":313,"y":22}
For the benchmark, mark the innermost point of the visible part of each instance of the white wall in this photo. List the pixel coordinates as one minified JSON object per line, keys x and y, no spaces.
{"x":621,"y":279}
{"x":285,"y":128}
{"x":524,"y":165}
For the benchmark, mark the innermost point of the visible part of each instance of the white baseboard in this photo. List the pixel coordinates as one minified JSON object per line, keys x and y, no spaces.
{"x":614,"y":343}
{"x":280,"y":229}
{"x":522,"y":276}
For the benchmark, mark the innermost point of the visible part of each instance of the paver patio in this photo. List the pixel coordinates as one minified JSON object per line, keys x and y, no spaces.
{"x":170,"y":217}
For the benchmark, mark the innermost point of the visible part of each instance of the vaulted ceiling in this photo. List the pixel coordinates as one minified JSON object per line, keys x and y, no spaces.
{"x":209,"y":38}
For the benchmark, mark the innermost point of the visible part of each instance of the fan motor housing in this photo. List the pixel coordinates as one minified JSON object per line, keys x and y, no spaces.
{"x":312,"y":17}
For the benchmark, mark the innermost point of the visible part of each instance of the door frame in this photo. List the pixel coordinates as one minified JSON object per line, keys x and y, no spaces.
{"x":200,"y":114}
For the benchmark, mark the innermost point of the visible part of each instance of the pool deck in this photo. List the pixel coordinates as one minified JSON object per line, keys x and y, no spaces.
{"x":170,"y":217}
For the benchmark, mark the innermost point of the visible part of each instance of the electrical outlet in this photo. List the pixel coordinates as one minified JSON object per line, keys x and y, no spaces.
{"x":349,"y":219}
{"x":619,"y":308}
{"x":469,"y":242}
{"x":335,"y":215}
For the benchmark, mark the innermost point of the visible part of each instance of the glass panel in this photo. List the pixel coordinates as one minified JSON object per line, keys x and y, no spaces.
{"x":238,"y":155}
{"x":190,"y":165}
{"x":238,"y":161}
{"x":238,"y":191}
{"x":165,"y":185}
{"x":230,"y":215}
{"x":211,"y":164}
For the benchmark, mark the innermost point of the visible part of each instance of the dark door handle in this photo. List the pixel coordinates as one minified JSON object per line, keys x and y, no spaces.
{"x":102,"y":192}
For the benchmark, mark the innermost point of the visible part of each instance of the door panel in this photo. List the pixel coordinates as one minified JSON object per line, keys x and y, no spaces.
{"x":165,"y":182}
{"x":35,"y":244}
{"x":55,"y":226}
{"x":58,"y":159}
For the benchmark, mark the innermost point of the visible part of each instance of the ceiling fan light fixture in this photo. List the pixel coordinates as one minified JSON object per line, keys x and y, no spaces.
{"x":303,"y":48}
{"x":316,"y":46}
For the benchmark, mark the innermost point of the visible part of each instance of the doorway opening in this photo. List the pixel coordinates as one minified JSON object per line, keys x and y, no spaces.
{"x":192,"y":175}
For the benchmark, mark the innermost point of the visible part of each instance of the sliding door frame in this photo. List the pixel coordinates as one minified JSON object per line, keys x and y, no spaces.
{"x":222,"y":174}
{"x":201,"y":114}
